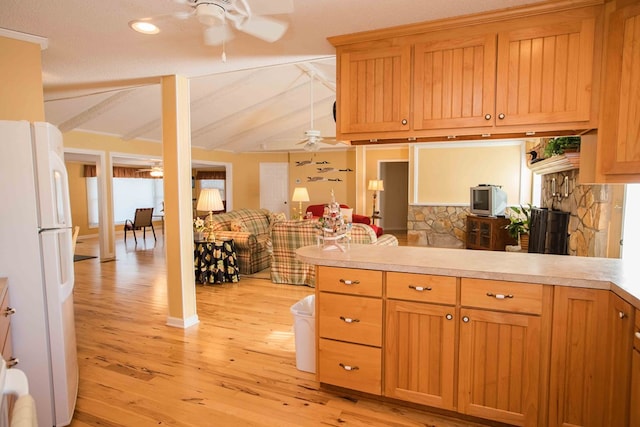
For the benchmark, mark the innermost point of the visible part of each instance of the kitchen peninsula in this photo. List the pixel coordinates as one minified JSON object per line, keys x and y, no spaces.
{"x":523,"y":339}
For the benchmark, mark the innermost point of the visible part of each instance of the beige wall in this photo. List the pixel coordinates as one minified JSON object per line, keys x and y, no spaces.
{"x":375,"y":155}
{"x":21,"y":95}
{"x":320,"y":191}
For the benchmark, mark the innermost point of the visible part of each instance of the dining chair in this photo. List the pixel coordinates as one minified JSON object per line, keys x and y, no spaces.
{"x":142,"y":219}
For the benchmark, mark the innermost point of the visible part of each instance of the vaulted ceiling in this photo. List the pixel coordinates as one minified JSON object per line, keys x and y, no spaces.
{"x":101,"y":76}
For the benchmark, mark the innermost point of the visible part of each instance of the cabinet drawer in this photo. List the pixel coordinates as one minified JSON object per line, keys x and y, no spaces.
{"x":350,"y":281}
{"x":636,"y":332}
{"x":350,"y":318}
{"x":501,"y":295}
{"x":421,"y":287}
{"x":352,"y":366}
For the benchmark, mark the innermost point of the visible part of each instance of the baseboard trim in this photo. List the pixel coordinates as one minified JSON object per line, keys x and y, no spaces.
{"x":177,"y":322}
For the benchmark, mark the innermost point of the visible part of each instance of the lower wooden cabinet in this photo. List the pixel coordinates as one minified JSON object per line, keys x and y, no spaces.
{"x":620,"y":346}
{"x":420,"y":353}
{"x":578,"y":381}
{"x":499,"y":360}
{"x":634,"y":407}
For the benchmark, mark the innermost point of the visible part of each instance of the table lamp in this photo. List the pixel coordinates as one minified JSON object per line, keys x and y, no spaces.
{"x":375,"y":185}
{"x":210,"y":200}
{"x":300,"y":194}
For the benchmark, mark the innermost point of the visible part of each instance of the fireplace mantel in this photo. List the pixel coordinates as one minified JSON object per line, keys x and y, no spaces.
{"x":559,"y":163}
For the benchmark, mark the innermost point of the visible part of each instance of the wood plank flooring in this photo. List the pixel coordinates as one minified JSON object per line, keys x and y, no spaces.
{"x":235,"y":368}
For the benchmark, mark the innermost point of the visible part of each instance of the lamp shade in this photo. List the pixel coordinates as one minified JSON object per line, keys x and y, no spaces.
{"x":300,"y":194}
{"x":376,"y":185}
{"x":210,"y":200}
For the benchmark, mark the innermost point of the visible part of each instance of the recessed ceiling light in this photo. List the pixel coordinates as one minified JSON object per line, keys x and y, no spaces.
{"x":144,"y":27}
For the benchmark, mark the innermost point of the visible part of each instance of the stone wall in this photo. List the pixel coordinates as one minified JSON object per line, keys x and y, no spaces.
{"x":437,"y":226}
{"x":590,"y":207}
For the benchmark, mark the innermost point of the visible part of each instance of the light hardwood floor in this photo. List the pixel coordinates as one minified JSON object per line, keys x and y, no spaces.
{"x":235,"y":368}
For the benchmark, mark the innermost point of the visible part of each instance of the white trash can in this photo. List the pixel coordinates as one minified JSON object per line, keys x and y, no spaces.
{"x":304,"y":329}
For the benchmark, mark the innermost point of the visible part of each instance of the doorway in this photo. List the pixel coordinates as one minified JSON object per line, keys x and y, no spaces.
{"x":394,"y":200}
{"x":274,"y":187}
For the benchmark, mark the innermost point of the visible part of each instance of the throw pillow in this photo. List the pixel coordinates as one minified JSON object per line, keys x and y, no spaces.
{"x":347,"y":214}
{"x":237,"y":225}
{"x":277,"y":216}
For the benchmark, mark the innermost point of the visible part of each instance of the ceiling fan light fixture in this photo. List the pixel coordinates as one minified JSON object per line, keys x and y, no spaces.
{"x":209,"y":14}
{"x":156,"y":173}
{"x":311,"y":146}
{"x":144,"y":27}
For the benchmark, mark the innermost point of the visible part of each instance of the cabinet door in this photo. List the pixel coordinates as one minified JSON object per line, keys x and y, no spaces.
{"x":634,"y":419}
{"x":619,"y":133}
{"x":473,"y":233}
{"x":419,"y":353}
{"x":578,"y":381}
{"x":620,"y":347}
{"x":374,"y":90}
{"x":545,"y":73}
{"x":454,"y":83}
{"x":499,"y":375}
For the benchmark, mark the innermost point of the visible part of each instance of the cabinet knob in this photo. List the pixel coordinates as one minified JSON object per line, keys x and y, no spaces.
{"x":420,"y":288}
{"x":12,"y":362}
{"x":501,"y":116}
{"x":349,"y":319}
{"x":348,"y":368}
{"x":487,"y":116}
{"x":449,"y":316}
{"x":465,"y":319}
{"x":404,"y":121}
{"x":9,"y":311}
{"x":621,"y":314}
{"x":637,"y":334}
{"x":350,"y":282}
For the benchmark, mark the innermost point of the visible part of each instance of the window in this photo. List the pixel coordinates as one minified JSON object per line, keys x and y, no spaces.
{"x":128,"y":194}
{"x":214,"y":183}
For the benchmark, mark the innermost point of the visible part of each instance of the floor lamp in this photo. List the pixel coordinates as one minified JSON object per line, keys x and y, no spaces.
{"x":210,"y":200}
{"x":300,"y":194}
{"x":375,"y":185}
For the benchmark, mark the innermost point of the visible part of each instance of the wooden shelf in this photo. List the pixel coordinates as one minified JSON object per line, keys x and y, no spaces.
{"x":559,"y":163}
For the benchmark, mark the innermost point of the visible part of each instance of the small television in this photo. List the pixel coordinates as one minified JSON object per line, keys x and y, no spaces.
{"x":488,"y":200}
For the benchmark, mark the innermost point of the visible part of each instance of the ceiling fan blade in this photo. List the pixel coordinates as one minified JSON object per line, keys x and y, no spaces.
{"x":271,"y":7}
{"x":267,"y":29}
{"x":215,"y":35}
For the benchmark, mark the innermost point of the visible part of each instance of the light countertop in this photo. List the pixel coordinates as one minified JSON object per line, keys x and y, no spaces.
{"x":597,"y":273}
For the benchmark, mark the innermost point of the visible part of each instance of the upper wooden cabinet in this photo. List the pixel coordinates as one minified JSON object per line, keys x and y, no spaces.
{"x":454,"y":82}
{"x":374,"y":87}
{"x":619,"y":133}
{"x":545,"y":73}
{"x":493,"y":75}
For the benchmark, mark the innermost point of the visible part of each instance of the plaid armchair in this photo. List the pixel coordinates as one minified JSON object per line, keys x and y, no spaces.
{"x":249,"y":229}
{"x":289,"y":235}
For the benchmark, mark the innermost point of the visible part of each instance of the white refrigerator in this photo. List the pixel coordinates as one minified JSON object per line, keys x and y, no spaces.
{"x":36,"y":257}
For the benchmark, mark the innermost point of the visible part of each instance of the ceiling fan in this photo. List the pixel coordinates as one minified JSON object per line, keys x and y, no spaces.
{"x":216,"y":14}
{"x":155,"y":171}
{"x":312,"y":136}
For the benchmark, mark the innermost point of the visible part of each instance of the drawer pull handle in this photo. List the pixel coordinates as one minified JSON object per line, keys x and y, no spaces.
{"x":350,"y":282}
{"x":420,"y":288}
{"x":12,"y":362}
{"x":499,"y":296}
{"x":9,"y":311}
{"x":349,"y":320}
{"x":637,"y":334}
{"x":348,"y":368}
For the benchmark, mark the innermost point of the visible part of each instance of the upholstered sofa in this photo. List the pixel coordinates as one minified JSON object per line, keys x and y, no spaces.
{"x":289,"y":235}
{"x":249,"y":229}
{"x":317,"y":211}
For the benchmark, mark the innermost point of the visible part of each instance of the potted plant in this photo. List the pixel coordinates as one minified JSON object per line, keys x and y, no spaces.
{"x":198,"y":229}
{"x":561,"y":144}
{"x":518,"y":228}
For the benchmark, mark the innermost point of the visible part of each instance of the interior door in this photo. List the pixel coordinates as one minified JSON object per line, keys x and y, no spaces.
{"x":274,"y":187}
